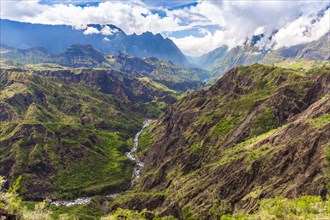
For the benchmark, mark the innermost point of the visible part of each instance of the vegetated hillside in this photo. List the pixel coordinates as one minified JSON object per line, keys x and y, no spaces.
{"x":259,"y":132}
{"x":240,"y":55}
{"x":316,"y":50}
{"x":105,"y":38}
{"x":64,"y":133}
{"x":221,"y":59}
{"x":75,"y":56}
{"x":164,"y":72}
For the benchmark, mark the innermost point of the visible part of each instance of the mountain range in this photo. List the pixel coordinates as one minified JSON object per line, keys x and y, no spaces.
{"x":31,"y":40}
{"x":105,"y":38}
{"x":223,"y":59}
{"x":85,"y":56}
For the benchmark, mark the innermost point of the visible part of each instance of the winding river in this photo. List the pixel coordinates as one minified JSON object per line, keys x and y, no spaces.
{"x":138,"y":165}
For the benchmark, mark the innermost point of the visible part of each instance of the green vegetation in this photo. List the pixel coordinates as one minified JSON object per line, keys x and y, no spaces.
{"x":10,"y":203}
{"x":146,"y":138}
{"x":92,"y":210}
{"x":265,"y":122}
{"x":220,"y":209}
{"x":226,"y":124}
{"x":302,"y":65}
{"x":305,"y":207}
{"x":130,"y":214}
{"x":145,"y":141}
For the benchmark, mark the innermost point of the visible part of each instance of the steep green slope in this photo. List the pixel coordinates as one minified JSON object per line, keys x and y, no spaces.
{"x":259,"y":132}
{"x":65,"y":132}
{"x":240,"y":55}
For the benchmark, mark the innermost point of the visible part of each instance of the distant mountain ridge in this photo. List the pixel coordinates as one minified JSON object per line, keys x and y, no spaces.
{"x":85,"y":56}
{"x":105,"y":38}
{"x":223,"y":59}
{"x":75,"y":56}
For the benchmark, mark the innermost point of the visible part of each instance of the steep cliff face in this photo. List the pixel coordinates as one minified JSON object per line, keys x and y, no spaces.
{"x":258,"y":132}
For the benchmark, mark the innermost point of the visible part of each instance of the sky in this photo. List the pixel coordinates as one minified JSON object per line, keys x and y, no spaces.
{"x":196,"y":27}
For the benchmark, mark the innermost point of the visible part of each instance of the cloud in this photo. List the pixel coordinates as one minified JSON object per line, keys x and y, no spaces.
{"x":91,"y":30}
{"x":195,"y":46}
{"x":305,"y":29}
{"x":131,"y":16}
{"x":25,"y":9}
{"x":240,"y":20}
{"x":106,"y":30}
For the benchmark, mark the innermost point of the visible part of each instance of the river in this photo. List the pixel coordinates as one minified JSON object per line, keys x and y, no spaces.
{"x":138,"y":165}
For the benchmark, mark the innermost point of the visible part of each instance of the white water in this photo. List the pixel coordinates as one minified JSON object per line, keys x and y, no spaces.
{"x":136,"y":172}
{"x":131,"y":155}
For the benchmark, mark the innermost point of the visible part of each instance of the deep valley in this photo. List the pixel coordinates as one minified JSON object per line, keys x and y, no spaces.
{"x":124,"y":115}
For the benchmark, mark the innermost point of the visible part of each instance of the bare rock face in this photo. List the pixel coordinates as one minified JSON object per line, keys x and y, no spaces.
{"x":259,"y":132}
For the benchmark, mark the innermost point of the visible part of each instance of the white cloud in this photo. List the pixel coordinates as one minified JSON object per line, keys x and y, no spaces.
{"x":195,"y":46}
{"x":80,"y":27}
{"x":240,"y":20}
{"x":259,"y":30}
{"x":25,"y":9}
{"x":91,"y":30}
{"x":305,"y":29}
{"x":106,"y":30}
{"x":131,"y":16}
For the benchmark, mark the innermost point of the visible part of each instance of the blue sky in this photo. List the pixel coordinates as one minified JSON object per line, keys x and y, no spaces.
{"x":197,"y":27}
{"x":170,"y":4}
